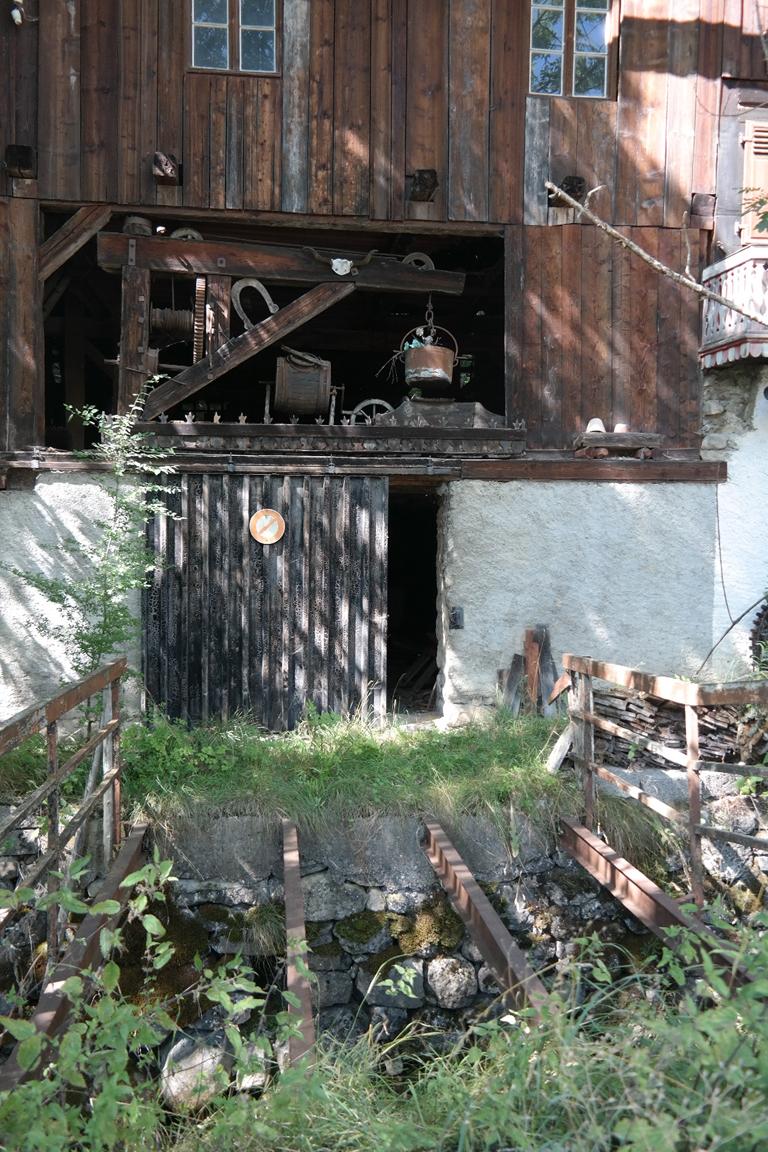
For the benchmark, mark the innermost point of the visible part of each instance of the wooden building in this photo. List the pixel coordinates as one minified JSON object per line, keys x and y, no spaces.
{"x":360,"y":159}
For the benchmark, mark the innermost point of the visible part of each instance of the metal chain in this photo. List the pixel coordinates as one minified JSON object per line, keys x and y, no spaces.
{"x":429,"y":317}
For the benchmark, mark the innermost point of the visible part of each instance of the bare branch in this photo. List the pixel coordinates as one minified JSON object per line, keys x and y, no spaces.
{"x":663,"y":269}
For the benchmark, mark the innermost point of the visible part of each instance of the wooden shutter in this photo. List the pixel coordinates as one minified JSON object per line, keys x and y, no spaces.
{"x":755,"y":178}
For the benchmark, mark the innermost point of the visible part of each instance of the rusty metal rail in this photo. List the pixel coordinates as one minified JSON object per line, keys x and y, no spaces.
{"x":515,"y":977}
{"x":104,"y":743}
{"x":301,"y":1044}
{"x":54,"y":1007}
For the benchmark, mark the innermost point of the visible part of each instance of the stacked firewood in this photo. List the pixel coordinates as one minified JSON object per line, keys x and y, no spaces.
{"x":726,"y":734}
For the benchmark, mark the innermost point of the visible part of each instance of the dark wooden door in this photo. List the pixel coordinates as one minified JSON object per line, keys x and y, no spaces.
{"x":236,"y":627}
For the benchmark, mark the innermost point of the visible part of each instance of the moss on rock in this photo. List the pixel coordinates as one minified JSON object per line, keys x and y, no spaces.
{"x":434,"y":924}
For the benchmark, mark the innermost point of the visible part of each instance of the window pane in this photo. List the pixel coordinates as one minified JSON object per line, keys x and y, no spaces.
{"x":589,"y":76}
{"x":546,"y":73}
{"x":546,"y":29}
{"x":210,"y":12}
{"x":590,"y":33}
{"x":210,"y":48}
{"x":257,"y":51}
{"x":257,"y":12}
{"x":601,"y":4}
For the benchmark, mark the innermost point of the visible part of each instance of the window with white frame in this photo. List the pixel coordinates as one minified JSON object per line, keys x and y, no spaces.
{"x":570,"y":48}
{"x":235,"y":35}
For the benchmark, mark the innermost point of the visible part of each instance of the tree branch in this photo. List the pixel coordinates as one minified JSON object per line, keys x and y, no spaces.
{"x":662,"y":269}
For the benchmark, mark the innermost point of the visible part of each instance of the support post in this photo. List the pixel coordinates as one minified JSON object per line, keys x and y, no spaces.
{"x":52,"y":841}
{"x":117,"y":787}
{"x":108,"y":802}
{"x":581,"y":705}
{"x":694,"y":802}
{"x":22,"y":381}
{"x":134,"y":336}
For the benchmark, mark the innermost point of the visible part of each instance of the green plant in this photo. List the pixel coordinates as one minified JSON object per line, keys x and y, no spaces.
{"x":95,"y":618}
{"x":95,"y":1085}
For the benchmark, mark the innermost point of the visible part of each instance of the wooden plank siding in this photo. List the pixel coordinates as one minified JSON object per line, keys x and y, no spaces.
{"x":298,"y":621}
{"x":367,"y":92}
{"x":602,"y":335}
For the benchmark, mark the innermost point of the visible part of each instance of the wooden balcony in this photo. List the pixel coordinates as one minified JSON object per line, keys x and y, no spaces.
{"x":729,"y":336}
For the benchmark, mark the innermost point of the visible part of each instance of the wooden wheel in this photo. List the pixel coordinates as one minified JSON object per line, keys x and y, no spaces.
{"x":367,"y":410}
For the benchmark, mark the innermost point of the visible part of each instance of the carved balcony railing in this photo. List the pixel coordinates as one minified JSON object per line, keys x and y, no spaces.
{"x":729,"y":336}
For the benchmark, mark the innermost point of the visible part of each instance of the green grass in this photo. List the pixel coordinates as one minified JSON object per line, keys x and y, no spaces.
{"x":344,"y":768}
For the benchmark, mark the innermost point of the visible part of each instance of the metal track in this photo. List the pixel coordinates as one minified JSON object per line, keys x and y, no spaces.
{"x":639,"y":895}
{"x":301,"y":1046}
{"x":519,"y":982}
{"x":54,"y":1007}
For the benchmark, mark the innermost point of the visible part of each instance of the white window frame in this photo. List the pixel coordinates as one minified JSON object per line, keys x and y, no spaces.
{"x":567,"y":51}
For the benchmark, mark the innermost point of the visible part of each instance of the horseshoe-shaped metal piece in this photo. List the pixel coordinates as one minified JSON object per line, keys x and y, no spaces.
{"x":250,"y":282}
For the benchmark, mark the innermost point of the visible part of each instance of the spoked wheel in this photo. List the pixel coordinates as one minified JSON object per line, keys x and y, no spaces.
{"x":367,"y":410}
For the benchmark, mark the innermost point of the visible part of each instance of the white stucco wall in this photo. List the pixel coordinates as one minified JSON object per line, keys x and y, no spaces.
{"x":736,"y":415}
{"x":621,"y":572}
{"x":35,"y":528}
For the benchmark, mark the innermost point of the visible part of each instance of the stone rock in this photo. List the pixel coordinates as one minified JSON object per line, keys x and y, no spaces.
{"x":329,"y":958}
{"x":486,"y":981}
{"x":191,"y":893}
{"x":735,"y":814}
{"x":9,"y":869}
{"x":401,"y":987}
{"x":518,"y":913}
{"x":332,"y":988}
{"x":319,"y":933}
{"x":725,"y":861}
{"x":218,"y":845}
{"x":717,"y":784}
{"x":253,"y":1074}
{"x":377,"y":900}
{"x":364,"y":934}
{"x":452,"y":981}
{"x":405,"y":902}
{"x":470,"y":951}
{"x":194,"y":1070}
{"x":387,"y":1022}
{"x":342,"y":1025}
{"x":327,"y":898}
{"x":442,"y":1033}
{"x":377,"y":851}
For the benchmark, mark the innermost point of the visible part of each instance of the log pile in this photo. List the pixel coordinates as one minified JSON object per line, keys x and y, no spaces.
{"x":726,"y":734}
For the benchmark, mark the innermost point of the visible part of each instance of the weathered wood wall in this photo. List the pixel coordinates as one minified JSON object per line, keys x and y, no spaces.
{"x":370,"y":91}
{"x":297,"y":621}
{"x":592,"y":330}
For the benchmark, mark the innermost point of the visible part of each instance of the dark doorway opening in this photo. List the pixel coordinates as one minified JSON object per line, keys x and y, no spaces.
{"x":412,"y":601}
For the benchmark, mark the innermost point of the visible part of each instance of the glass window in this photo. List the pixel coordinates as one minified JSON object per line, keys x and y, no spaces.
{"x":240,"y":35}
{"x":570,"y":47}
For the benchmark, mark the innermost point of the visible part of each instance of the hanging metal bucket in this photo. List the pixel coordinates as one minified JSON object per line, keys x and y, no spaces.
{"x":430,"y":366}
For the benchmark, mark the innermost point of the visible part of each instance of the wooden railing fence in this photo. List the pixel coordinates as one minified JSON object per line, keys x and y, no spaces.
{"x":691,"y":697}
{"x":103,"y":746}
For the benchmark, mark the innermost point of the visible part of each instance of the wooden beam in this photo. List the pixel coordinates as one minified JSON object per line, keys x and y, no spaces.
{"x":22,"y":383}
{"x":242,"y":348}
{"x":276,"y":263}
{"x":134,"y":336}
{"x":71,"y":237}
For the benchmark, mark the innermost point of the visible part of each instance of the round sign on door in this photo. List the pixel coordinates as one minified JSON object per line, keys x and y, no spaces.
{"x":267,"y":526}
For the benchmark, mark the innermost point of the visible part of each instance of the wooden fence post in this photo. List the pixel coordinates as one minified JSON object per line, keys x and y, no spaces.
{"x":694,"y":802}
{"x":52,"y":842}
{"x":584,"y":740}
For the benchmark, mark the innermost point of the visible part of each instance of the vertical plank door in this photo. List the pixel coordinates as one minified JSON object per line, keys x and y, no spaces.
{"x":234,"y":627}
